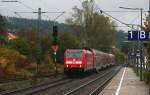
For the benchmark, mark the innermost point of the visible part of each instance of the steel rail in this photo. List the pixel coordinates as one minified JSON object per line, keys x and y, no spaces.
{"x":80,"y":87}
{"x":102,"y":86}
{"x":34,"y":88}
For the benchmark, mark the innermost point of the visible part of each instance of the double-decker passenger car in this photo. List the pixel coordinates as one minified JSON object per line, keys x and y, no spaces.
{"x":86,"y":59}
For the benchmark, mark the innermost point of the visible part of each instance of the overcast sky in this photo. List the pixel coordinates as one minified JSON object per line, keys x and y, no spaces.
{"x":8,"y":9}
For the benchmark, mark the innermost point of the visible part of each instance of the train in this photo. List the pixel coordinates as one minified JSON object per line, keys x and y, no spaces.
{"x":83,"y":60}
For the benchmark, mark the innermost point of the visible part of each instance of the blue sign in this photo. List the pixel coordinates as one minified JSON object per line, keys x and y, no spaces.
{"x":135,"y":35}
{"x":143,"y":36}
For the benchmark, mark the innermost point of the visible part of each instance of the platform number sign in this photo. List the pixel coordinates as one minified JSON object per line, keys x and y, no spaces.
{"x":134,"y":35}
{"x":144,"y":36}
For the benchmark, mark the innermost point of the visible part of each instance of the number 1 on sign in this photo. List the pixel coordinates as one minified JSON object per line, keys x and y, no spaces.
{"x":131,"y":34}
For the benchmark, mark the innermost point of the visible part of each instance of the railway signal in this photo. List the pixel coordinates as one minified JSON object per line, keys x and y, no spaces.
{"x":55,"y":35}
{"x":55,"y":46}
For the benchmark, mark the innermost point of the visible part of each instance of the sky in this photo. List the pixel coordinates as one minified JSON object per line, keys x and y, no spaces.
{"x":8,"y":9}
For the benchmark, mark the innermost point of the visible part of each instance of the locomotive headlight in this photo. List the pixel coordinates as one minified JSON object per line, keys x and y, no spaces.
{"x":80,"y":66}
{"x":68,"y":62}
{"x":78,"y":62}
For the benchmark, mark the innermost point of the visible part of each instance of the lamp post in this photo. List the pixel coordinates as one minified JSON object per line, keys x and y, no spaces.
{"x":139,"y":47}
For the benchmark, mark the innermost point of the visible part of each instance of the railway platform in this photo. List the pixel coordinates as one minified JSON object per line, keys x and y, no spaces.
{"x":126,"y":83}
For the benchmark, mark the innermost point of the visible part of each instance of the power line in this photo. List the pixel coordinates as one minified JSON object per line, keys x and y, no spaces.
{"x":14,"y":12}
{"x":58,"y":16}
{"x":26,"y":5}
{"x":135,"y":18}
{"x":8,"y":1}
{"x":114,"y":18}
{"x":43,"y":12}
{"x":124,"y":11}
{"x":16,"y":1}
{"x":17,"y":13}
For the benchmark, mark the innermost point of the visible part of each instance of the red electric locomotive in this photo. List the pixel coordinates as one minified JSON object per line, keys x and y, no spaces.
{"x":83,"y":60}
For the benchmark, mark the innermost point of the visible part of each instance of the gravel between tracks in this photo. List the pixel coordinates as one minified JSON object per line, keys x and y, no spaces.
{"x":90,"y":86}
{"x":62,"y":89}
{"x":16,"y":85}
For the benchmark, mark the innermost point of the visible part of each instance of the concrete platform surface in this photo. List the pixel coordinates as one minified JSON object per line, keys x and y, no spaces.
{"x":126,"y":83}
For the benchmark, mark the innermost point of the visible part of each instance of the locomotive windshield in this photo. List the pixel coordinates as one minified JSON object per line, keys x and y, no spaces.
{"x":74,"y":54}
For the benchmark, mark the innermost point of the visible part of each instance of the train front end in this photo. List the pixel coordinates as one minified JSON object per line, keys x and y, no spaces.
{"x":74,"y":60}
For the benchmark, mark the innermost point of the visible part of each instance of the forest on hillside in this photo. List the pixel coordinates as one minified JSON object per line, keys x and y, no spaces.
{"x":14,"y":23}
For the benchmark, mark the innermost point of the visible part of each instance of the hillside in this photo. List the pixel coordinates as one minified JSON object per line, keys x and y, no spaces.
{"x":14,"y":23}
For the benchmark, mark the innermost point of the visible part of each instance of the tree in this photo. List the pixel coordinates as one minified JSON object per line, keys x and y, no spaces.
{"x":21,"y":45}
{"x":147,"y":28}
{"x":120,"y":57}
{"x":99,"y":30}
{"x":81,"y":19}
{"x":47,"y":43}
{"x":2,"y":25}
{"x":67,"y":41}
{"x":30,"y":34}
{"x":2,"y":30}
{"x":92,"y":27}
{"x":31,"y":37}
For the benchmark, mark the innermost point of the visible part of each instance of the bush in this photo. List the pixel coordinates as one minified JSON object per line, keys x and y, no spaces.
{"x":20,"y":45}
{"x":47,"y":59}
{"x":27,"y":74}
{"x":119,"y":56}
{"x":147,"y":77}
{"x":11,"y":61}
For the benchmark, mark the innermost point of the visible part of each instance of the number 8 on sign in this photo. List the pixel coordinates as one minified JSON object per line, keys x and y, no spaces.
{"x":143,"y":36}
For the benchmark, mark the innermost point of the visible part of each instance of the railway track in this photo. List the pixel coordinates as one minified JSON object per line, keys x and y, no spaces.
{"x":98,"y":89}
{"x":70,"y":86}
{"x":40,"y":87}
{"x":78,"y":86}
{"x":16,"y":78}
{"x":94,"y":86}
{"x":2,"y":80}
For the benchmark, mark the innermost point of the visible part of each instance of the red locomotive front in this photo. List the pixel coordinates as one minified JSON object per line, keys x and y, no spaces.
{"x":74,"y":59}
{"x":77,"y":59}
